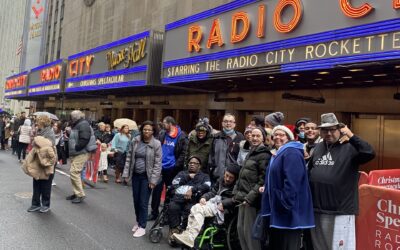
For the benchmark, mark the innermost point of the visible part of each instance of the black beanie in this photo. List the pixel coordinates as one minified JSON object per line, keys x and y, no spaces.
{"x":233,"y":169}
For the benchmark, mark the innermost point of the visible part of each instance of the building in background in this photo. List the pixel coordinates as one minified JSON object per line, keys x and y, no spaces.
{"x":12,"y":14}
{"x":53,"y":30}
{"x":247,"y":57}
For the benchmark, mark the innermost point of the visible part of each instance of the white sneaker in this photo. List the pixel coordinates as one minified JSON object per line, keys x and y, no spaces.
{"x":53,"y":183}
{"x":135,"y":228}
{"x":139,"y":232}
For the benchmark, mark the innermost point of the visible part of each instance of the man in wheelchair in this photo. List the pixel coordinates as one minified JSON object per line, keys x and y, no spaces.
{"x":216,"y":203}
{"x":187,"y":187}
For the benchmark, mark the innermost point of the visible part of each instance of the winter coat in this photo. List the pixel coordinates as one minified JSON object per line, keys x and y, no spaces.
{"x":81,"y":137}
{"x":25,"y":134}
{"x":153,"y":160}
{"x":222,"y":154}
{"x":200,"y":149}
{"x":287,"y":196}
{"x":226,"y":193}
{"x":200,"y":184}
{"x":41,"y":160}
{"x":251,"y":176}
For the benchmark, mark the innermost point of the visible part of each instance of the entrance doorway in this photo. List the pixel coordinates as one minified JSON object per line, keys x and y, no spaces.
{"x":216,"y":117}
{"x":381,"y":131}
{"x":141,"y":115}
{"x":109,"y":115}
{"x":187,"y":119}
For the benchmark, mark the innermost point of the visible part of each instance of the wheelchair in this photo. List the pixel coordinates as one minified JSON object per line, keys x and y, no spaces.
{"x":156,"y":233}
{"x":216,"y":236}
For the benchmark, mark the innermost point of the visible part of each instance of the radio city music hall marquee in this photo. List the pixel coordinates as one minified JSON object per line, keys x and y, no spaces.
{"x":267,"y":33}
{"x":46,"y":79}
{"x":122,"y":63}
{"x":16,"y":85}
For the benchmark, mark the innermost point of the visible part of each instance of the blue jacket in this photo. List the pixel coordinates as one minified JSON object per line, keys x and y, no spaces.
{"x":287,"y":196}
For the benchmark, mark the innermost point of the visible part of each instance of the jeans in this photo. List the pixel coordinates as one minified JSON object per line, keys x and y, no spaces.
{"x":22,"y":149}
{"x":42,"y":189}
{"x":141,"y":194}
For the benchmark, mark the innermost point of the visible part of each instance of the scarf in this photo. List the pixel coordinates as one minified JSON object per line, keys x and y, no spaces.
{"x":47,"y":133}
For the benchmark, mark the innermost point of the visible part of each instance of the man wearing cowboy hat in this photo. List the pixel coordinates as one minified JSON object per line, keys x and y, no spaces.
{"x":334,"y":174}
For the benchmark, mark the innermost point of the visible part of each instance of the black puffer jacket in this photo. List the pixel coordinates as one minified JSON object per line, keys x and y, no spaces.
{"x":251,"y":176}
{"x":225,"y":191}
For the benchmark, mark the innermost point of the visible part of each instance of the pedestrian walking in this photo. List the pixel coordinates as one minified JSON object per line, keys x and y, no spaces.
{"x":24,"y":139}
{"x":143,"y":169}
{"x":286,"y":196}
{"x":81,"y":142}
{"x":334,"y":175}
{"x":40,"y":164}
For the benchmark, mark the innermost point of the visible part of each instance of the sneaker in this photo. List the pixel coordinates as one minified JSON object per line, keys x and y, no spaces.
{"x":53,"y":183}
{"x":78,"y":199}
{"x":33,"y":209}
{"x":134,"y":228}
{"x":139,"y":232}
{"x":71,"y":197}
{"x":44,"y":209}
{"x":184,"y":238}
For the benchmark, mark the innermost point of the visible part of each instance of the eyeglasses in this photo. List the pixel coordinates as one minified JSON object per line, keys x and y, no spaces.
{"x":194,"y":163}
{"x":147,"y":130}
{"x":227,"y":121}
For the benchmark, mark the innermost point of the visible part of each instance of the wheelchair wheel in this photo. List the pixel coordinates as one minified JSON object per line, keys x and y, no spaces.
{"x":232,"y":237}
{"x":155,"y":235}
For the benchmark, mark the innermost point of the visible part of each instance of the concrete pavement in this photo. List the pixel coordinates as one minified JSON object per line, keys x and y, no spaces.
{"x":103,"y":221}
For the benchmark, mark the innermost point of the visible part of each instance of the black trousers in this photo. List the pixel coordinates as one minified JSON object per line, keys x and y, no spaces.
{"x":42,"y":192}
{"x":22,"y":150}
{"x":284,"y":239}
{"x":178,"y":212}
{"x":167,"y":176}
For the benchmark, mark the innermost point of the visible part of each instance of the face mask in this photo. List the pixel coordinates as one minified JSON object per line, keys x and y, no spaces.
{"x":301,"y":134}
{"x":229,"y":131}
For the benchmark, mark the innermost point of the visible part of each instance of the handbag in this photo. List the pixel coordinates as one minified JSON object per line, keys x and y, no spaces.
{"x":259,"y":231}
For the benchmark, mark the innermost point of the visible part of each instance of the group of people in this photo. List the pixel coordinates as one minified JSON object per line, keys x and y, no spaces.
{"x":299,"y":181}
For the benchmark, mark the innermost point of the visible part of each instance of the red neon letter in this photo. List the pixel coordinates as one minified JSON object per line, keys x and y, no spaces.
{"x":353,"y":12}
{"x":89,"y":60}
{"x":193,"y":42}
{"x":215,"y":35}
{"x":73,"y":68}
{"x":396,"y":4}
{"x":298,"y":12}
{"x":261,"y":17}
{"x":239,"y":16}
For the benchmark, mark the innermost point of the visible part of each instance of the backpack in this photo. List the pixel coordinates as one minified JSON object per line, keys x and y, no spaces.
{"x":92,"y":145}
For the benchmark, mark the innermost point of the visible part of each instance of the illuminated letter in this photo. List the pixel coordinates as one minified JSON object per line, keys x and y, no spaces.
{"x":242,"y":16}
{"x":260,"y":25}
{"x":298,"y":12}
{"x":89,"y":60}
{"x":396,"y":4}
{"x":81,"y":64}
{"x":73,"y":68}
{"x":193,"y":42}
{"x":215,"y":35}
{"x":57,"y":70}
{"x":353,"y":12}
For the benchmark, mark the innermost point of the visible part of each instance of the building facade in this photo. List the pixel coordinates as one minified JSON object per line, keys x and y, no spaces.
{"x":244,"y":57}
{"x":11,"y":28}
